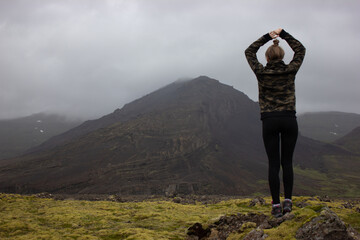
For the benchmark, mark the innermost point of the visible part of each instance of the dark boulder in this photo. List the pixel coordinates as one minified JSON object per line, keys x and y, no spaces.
{"x":327,"y":226}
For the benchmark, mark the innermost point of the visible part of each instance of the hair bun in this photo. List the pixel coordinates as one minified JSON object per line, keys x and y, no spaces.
{"x":276,"y":42}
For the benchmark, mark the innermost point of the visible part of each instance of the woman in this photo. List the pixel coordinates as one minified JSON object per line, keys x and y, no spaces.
{"x":277,"y":105}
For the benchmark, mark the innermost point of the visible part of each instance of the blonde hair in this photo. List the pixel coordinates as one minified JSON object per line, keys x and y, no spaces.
{"x":274,"y":52}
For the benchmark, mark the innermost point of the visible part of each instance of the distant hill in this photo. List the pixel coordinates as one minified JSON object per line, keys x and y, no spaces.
{"x":327,"y":126}
{"x":351,"y":141}
{"x":198,"y":136}
{"x":20,"y":134}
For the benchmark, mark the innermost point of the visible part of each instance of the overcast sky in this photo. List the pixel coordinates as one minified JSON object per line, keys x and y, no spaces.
{"x":86,"y":58}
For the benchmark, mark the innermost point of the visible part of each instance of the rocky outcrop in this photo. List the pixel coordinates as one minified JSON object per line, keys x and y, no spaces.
{"x":257,"y":200}
{"x":327,"y":226}
{"x":226,"y":225}
{"x":256,"y":234}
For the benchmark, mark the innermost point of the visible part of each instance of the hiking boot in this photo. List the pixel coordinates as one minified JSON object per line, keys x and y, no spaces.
{"x":287,"y":206}
{"x":276,"y":211}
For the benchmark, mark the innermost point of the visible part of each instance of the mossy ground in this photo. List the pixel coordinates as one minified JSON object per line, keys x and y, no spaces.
{"x":30,"y":217}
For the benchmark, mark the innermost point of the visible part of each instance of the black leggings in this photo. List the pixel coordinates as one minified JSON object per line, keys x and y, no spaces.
{"x":276,"y":130}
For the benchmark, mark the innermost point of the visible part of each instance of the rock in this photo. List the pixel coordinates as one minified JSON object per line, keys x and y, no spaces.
{"x":221,"y":229}
{"x":44,"y":195}
{"x":170,"y":191}
{"x":357,"y":209}
{"x":226,"y":225}
{"x":324,"y":199}
{"x":192,"y":237}
{"x":257,"y":200}
{"x":302,"y":204}
{"x":203,"y":198}
{"x":274,"y":222}
{"x":326,"y":226}
{"x":114,"y":198}
{"x":353,"y":233}
{"x":256,"y":234}
{"x":265,"y":225}
{"x":214,"y":235}
{"x":198,"y":231}
{"x":348,"y":205}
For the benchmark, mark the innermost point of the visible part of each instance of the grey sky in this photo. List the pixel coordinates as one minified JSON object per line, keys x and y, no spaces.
{"x":87,"y":58}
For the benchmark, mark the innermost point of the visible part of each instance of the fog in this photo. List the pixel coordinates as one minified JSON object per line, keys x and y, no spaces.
{"x":86,"y":58}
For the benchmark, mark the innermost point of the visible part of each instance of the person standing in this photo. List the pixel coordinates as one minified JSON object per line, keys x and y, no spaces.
{"x":276,"y":82}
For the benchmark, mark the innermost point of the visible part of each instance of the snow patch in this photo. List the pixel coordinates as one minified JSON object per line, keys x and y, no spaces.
{"x":333,"y":133}
{"x":41,"y":130}
{"x":39,"y":121}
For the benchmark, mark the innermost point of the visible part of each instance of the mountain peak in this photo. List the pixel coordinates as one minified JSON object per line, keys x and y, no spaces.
{"x":205,"y":78}
{"x":185,"y":92}
{"x":203,"y":81}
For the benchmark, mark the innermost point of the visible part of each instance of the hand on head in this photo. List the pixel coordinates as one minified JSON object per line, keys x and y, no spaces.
{"x":275,"y":33}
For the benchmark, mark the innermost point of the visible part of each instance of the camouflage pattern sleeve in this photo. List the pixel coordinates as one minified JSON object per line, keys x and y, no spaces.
{"x":251,"y":51}
{"x":297,"y":47}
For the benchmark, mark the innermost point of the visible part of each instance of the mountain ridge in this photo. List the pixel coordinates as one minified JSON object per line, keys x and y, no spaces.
{"x":199,"y":136}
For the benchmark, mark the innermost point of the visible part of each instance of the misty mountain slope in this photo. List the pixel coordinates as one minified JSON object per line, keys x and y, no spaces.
{"x":351,"y":141}
{"x":327,"y":126}
{"x":198,"y":136}
{"x":164,"y":97}
{"x":20,"y":134}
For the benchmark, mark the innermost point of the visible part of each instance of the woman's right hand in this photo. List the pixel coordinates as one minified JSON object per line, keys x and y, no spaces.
{"x":275,"y":33}
{"x":278,"y":31}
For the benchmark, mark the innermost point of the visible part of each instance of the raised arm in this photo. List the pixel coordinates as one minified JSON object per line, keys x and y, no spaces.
{"x":296,"y":46}
{"x":251,"y":51}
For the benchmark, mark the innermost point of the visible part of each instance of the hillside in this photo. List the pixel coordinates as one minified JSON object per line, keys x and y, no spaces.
{"x":327,"y":126}
{"x":20,"y":134}
{"x":197,"y":136}
{"x":351,"y":141}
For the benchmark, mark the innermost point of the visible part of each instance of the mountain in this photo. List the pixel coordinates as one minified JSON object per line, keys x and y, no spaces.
{"x":20,"y":134}
{"x":198,"y":136}
{"x":327,"y":126}
{"x":159,"y":100}
{"x":351,"y":141}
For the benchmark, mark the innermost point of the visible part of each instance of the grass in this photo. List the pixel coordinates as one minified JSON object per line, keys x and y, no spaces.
{"x":29,"y":217}
{"x":331,"y":183}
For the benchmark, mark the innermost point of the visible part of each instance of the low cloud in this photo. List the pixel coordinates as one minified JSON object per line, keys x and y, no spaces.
{"x":87,"y":58}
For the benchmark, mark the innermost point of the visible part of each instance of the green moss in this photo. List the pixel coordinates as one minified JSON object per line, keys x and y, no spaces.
{"x":287,"y":230}
{"x":349,"y":216}
{"x":247,"y":225}
{"x":27,"y":217}
{"x":353,"y":219}
{"x":238,"y":236}
{"x":317,"y":208}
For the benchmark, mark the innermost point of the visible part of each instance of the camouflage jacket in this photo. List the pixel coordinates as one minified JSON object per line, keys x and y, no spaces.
{"x":276,"y":80}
